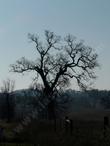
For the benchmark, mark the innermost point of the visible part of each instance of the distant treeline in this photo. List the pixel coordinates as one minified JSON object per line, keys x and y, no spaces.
{"x":22,"y":102}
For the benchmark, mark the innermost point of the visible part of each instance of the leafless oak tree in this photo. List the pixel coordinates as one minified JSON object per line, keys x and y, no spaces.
{"x":59,"y":60}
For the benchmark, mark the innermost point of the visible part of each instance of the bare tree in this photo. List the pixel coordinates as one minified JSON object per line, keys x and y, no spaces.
{"x":58,"y":61}
{"x":8,"y":86}
{"x":7,"y":89}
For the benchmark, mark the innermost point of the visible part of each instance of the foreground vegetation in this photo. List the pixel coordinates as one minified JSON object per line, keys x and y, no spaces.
{"x":87,"y":131}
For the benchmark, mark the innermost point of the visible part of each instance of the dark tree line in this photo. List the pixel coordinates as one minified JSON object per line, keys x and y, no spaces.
{"x":23,"y":102}
{"x":8,"y":104}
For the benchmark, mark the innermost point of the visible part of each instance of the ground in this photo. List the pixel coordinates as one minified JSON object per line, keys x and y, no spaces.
{"x":88,"y":130}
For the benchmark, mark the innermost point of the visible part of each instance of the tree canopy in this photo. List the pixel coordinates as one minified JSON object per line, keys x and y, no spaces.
{"x":59,"y":60}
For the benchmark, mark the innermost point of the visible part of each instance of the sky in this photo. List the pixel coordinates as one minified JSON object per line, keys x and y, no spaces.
{"x":88,"y":20}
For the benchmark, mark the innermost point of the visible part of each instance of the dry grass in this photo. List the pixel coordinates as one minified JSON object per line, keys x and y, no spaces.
{"x":88,"y":130}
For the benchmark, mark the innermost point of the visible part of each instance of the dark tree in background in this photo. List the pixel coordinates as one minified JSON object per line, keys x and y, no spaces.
{"x":7,"y":92}
{"x":105,"y":99}
{"x":58,"y":61}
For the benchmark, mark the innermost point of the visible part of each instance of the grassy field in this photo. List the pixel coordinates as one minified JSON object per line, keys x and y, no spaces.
{"x":88,"y":130}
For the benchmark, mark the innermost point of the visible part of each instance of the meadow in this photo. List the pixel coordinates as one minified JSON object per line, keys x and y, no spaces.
{"x":88,"y":130}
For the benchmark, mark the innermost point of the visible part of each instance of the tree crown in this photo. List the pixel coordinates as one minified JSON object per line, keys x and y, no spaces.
{"x":60,"y":60}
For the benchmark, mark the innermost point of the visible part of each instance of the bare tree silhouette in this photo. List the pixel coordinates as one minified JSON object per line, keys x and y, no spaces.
{"x":58,"y":61}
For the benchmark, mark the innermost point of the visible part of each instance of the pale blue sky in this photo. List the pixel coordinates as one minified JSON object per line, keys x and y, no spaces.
{"x":86,"y":19}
